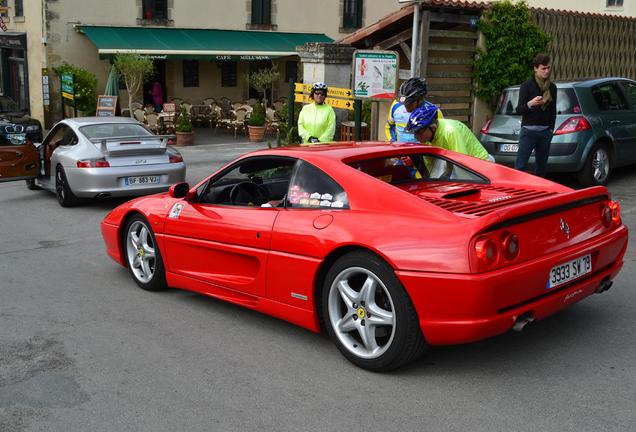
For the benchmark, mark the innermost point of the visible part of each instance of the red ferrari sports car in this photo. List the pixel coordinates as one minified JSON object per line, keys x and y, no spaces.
{"x":389,"y":248}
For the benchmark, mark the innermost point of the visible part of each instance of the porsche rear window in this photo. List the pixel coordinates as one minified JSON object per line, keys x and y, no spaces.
{"x":415,"y":168}
{"x":114,"y":130}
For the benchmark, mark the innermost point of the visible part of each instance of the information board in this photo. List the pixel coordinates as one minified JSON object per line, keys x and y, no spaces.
{"x":68,"y":90}
{"x":375,"y":74}
{"x":106,"y":106}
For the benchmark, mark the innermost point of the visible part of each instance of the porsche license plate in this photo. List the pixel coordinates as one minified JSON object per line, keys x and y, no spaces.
{"x":569,"y":271}
{"x":509,"y":148}
{"x":141,"y":180}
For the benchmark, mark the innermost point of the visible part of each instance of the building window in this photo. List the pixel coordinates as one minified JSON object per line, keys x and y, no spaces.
{"x":614,"y":3}
{"x":228,"y":73}
{"x":261,"y":12}
{"x":4,"y":5}
{"x":291,"y":71}
{"x":155,"y":10}
{"x":19,"y":8}
{"x":191,"y":73}
{"x":352,"y":14}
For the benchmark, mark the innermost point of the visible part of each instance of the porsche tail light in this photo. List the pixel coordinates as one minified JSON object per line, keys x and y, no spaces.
{"x":93,"y":163}
{"x":486,"y":251}
{"x":509,"y":246}
{"x":573,"y":124}
{"x":486,"y":126}
{"x":176,"y":158}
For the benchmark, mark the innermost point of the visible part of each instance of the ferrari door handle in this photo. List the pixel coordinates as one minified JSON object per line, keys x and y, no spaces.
{"x":19,"y":154}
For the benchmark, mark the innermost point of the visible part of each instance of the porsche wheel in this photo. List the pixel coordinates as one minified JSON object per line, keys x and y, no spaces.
{"x":63,"y":192}
{"x":368,"y":314}
{"x":143,"y":256}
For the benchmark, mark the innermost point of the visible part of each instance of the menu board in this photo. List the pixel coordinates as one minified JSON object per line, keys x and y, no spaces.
{"x":106,"y":106}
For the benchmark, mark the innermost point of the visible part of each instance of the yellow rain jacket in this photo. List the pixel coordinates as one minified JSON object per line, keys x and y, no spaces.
{"x":318,"y":121}
{"x":455,"y":135}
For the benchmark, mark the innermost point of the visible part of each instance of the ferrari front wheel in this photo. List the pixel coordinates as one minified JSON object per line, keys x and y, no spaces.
{"x":143,"y":256}
{"x":368,"y":314}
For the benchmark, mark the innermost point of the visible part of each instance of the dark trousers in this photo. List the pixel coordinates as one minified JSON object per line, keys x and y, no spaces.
{"x":539,"y":141}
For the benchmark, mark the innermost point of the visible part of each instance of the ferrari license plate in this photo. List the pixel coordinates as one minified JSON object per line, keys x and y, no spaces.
{"x":569,"y":271}
{"x":17,"y":139}
{"x":509,"y":148}
{"x":141,"y":180}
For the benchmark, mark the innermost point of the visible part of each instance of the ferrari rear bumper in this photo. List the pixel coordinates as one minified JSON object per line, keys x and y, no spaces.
{"x":456,"y":309}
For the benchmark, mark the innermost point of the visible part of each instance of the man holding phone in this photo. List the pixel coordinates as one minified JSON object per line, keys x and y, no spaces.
{"x":537,"y":106}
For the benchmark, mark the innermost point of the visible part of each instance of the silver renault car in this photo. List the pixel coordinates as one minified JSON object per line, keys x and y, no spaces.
{"x":595,"y":128}
{"x":95,"y":157}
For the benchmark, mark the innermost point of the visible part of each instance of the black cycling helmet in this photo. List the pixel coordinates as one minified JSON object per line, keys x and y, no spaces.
{"x":318,"y":86}
{"x":412,"y":89}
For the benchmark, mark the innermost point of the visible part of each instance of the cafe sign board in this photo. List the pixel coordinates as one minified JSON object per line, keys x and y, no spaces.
{"x":375,"y":74}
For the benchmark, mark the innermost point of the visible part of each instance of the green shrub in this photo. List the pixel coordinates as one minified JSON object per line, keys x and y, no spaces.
{"x":183,"y":123}
{"x":85,"y":86}
{"x":257,"y":117}
{"x":512,"y":41}
{"x":286,"y":136}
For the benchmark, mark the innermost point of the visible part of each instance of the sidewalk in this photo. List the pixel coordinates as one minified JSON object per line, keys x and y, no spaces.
{"x":206,"y":137}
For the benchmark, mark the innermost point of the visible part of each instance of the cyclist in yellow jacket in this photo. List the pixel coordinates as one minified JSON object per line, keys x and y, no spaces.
{"x":317,"y":120}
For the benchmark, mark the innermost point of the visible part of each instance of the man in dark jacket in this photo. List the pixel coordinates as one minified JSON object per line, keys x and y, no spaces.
{"x":537,"y":106}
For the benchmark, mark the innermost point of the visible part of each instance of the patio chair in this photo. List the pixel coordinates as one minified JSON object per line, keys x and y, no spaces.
{"x":176,"y":100}
{"x":149,"y":109}
{"x":136,"y":105}
{"x":251,"y":102}
{"x":238,"y":122}
{"x":201,"y":115}
{"x":272,"y":122}
{"x":140,"y":115}
{"x":188,"y":107}
{"x":152,"y":121}
{"x":278,"y":105}
{"x":237,"y":105}
{"x":226,"y":104}
{"x":167,"y":116}
{"x":209,"y":101}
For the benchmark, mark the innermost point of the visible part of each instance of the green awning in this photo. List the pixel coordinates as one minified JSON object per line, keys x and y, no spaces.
{"x":180,"y":43}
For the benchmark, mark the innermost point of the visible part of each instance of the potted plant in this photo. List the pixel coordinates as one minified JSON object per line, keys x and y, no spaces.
{"x":183,"y":128}
{"x":256,"y":123}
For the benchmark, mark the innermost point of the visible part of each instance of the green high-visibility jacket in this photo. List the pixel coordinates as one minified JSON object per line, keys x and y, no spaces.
{"x":318,"y":121}
{"x":455,"y":135}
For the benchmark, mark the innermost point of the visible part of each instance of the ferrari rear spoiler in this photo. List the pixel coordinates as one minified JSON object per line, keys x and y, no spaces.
{"x":133,"y":144}
{"x":525,"y":211}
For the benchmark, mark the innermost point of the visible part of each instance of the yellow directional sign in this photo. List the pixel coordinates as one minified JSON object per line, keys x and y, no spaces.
{"x":336,"y":103}
{"x":333,"y":91}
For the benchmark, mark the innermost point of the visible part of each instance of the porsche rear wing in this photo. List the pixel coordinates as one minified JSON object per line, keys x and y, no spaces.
{"x":129,"y":145}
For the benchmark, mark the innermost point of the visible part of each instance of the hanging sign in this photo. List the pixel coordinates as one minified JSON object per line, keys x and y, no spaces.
{"x":68,"y":91}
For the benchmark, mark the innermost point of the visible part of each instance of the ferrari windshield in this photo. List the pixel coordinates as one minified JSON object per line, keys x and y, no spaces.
{"x":114,"y":130}
{"x":416,"y":167}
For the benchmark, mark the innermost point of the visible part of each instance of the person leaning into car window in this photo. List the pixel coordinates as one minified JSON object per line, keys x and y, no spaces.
{"x":317,"y":120}
{"x":537,"y":106}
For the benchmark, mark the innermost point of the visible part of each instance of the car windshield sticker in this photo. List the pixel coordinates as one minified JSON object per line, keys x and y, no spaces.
{"x":326,"y":197}
{"x":176,"y":210}
{"x":325,"y":203}
{"x":337,"y":204}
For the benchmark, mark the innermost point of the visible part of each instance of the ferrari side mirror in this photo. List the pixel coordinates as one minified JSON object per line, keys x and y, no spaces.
{"x":179,"y":190}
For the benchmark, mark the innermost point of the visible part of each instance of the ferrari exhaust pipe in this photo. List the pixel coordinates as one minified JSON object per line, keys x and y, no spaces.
{"x":523,"y":322}
{"x":604,"y":286}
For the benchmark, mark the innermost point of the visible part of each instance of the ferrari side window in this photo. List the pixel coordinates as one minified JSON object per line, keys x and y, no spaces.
{"x":312,"y":188}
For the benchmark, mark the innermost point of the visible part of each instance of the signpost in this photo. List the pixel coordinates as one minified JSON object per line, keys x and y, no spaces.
{"x":336,"y":97}
{"x":68,"y":91}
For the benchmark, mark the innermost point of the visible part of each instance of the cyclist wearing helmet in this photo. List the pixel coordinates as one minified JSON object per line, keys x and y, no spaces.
{"x":412,"y":93}
{"x":317,"y":120}
{"x":445,"y":133}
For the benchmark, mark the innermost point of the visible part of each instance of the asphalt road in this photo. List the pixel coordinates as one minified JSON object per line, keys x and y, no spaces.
{"x":83,"y":349}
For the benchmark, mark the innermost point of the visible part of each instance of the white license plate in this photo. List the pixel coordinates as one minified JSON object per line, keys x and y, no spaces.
{"x":509,"y":148}
{"x":141,"y":180}
{"x":569,"y":271}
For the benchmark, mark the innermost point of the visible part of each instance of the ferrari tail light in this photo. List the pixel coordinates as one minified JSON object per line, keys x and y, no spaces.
{"x":486,"y":126}
{"x":616,"y":211}
{"x":509,"y":246}
{"x":486,"y":251}
{"x":93,"y":163}
{"x":573,"y":124}
{"x":606,"y":216}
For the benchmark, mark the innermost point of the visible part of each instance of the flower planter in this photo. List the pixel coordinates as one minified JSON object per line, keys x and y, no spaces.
{"x":185,"y":139}
{"x":256,"y":133}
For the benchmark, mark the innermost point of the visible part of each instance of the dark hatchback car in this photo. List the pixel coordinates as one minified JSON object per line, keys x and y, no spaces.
{"x":16,"y":125}
{"x":595,"y":129}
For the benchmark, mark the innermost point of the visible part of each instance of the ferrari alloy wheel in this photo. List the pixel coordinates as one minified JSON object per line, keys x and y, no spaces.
{"x":368,"y":314}
{"x":63,"y":192}
{"x":596,"y":170}
{"x":142,"y":255}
